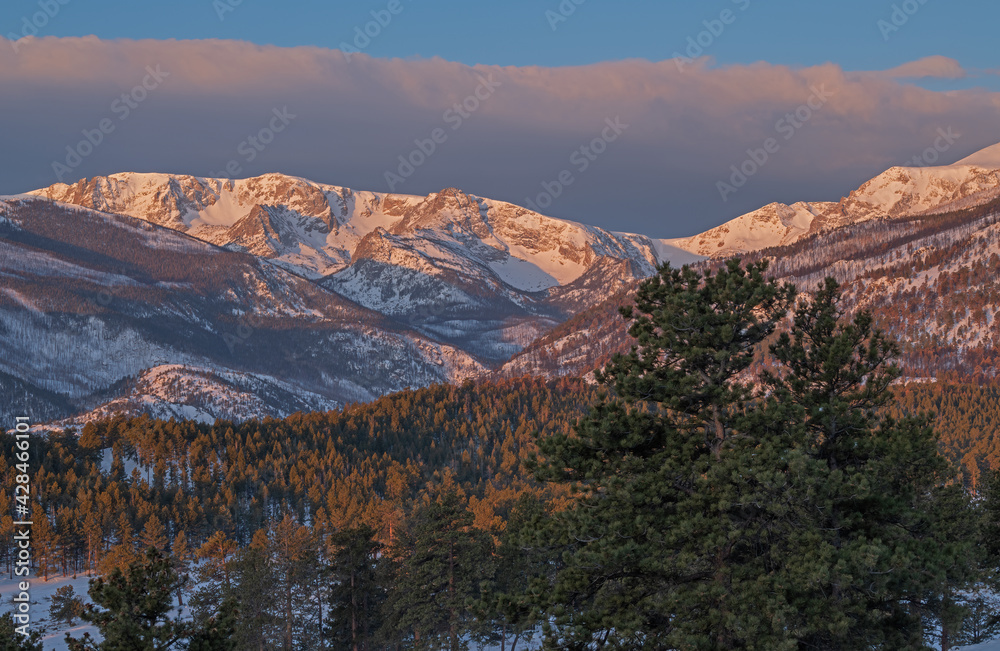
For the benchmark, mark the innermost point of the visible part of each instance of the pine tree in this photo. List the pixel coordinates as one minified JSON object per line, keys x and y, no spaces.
{"x":180,"y":553}
{"x":292,"y":552}
{"x":356,"y":589}
{"x":711,"y":514}
{"x":131,"y":609}
{"x":217,"y":551}
{"x":647,"y":544}
{"x":11,"y":640}
{"x":218,"y":632}
{"x":65,"y":606}
{"x":511,"y":605}
{"x":991,"y":523}
{"x":44,"y":540}
{"x":869,"y":530}
{"x":254,"y":587}
{"x":439,"y":575}
{"x":154,"y":534}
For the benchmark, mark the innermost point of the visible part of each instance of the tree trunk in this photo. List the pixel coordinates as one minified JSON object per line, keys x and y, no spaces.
{"x":354,"y":612}
{"x":451,"y":594}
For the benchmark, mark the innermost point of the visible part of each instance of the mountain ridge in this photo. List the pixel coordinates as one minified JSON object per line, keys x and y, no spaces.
{"x":421,"y":289}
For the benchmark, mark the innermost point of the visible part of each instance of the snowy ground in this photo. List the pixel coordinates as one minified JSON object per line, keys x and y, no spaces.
{"x":41,"y":592}
{"x":54,"y":634}
{"x":986,"y":646}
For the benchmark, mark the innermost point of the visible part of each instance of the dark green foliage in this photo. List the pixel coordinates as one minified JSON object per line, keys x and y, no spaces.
{"x":981,"y":617}
{"x":11,"y":640}
{"x":357,"y":589}
{"x":438,"y":576}
{"x":66,"y":607}
{"x":253,"y":584}
{"x":218,"y":632}
{"x":991,"y":520}
{"x":521,"y":566}
{"x":644,"y":551}
{"x":710,"y":516}
{"x":131,"y":609}
{"x":863,"y":488}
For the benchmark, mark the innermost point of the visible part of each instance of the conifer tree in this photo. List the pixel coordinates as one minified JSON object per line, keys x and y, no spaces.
{"x":714,"y":515}
{"x":646,"y":545}
{"x":258,"y":627}
{"x":218,"y":632}
{"x":292,"y":552}
{"x":439,"y":576}
{"x":357,"y":591}
{"x":65,"y":606}
{"x":154,"y":534}
{"x":11,"y":640}
{"x":869,"y":531}
{"x":180,"y":554}
{"x":131,"y":609}
{"x":511,"y":605}
{"x":991,"y":523}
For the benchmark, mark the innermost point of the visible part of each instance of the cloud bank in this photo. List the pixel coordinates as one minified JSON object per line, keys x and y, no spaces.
{"x":517,"y":134}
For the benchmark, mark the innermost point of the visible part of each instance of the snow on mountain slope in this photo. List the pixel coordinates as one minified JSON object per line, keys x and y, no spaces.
{"x":463,"y":269}
{"x":90,"y":299}
{"x":315,"y":229}
{"x":192,"y":393}
{"x":988,"y":158}
{"x":897,"y":192}
{"x":471,"y":240}
{"x":307,"y":227}
{"x":773,"y":225}
{"x":932,"y":283}
{"x":902,"y":191}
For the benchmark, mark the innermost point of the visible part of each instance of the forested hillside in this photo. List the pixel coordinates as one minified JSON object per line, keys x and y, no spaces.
{"x":208,"y":491}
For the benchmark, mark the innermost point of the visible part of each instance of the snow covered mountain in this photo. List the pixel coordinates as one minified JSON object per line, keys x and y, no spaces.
{"x":931,"y":280}
{"x":897,"y":192}
{"x":484,"y":275}
{"x":90,"y":301}
{"x":316,"y":230}
{"x":177,"y":295}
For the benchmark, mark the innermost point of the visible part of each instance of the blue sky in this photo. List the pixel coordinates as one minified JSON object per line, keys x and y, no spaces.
{"x":233,"y":62}
{"x":519,"y":32}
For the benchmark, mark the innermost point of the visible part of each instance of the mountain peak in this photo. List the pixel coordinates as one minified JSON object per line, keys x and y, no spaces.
{"x":988,"y":158}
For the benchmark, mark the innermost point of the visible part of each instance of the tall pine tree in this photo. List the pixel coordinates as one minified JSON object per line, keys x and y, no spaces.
{"x":647,"y":545}
{"x":716,"y":512}
{"x":357,"y":589}
{"x":438,"y":577}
